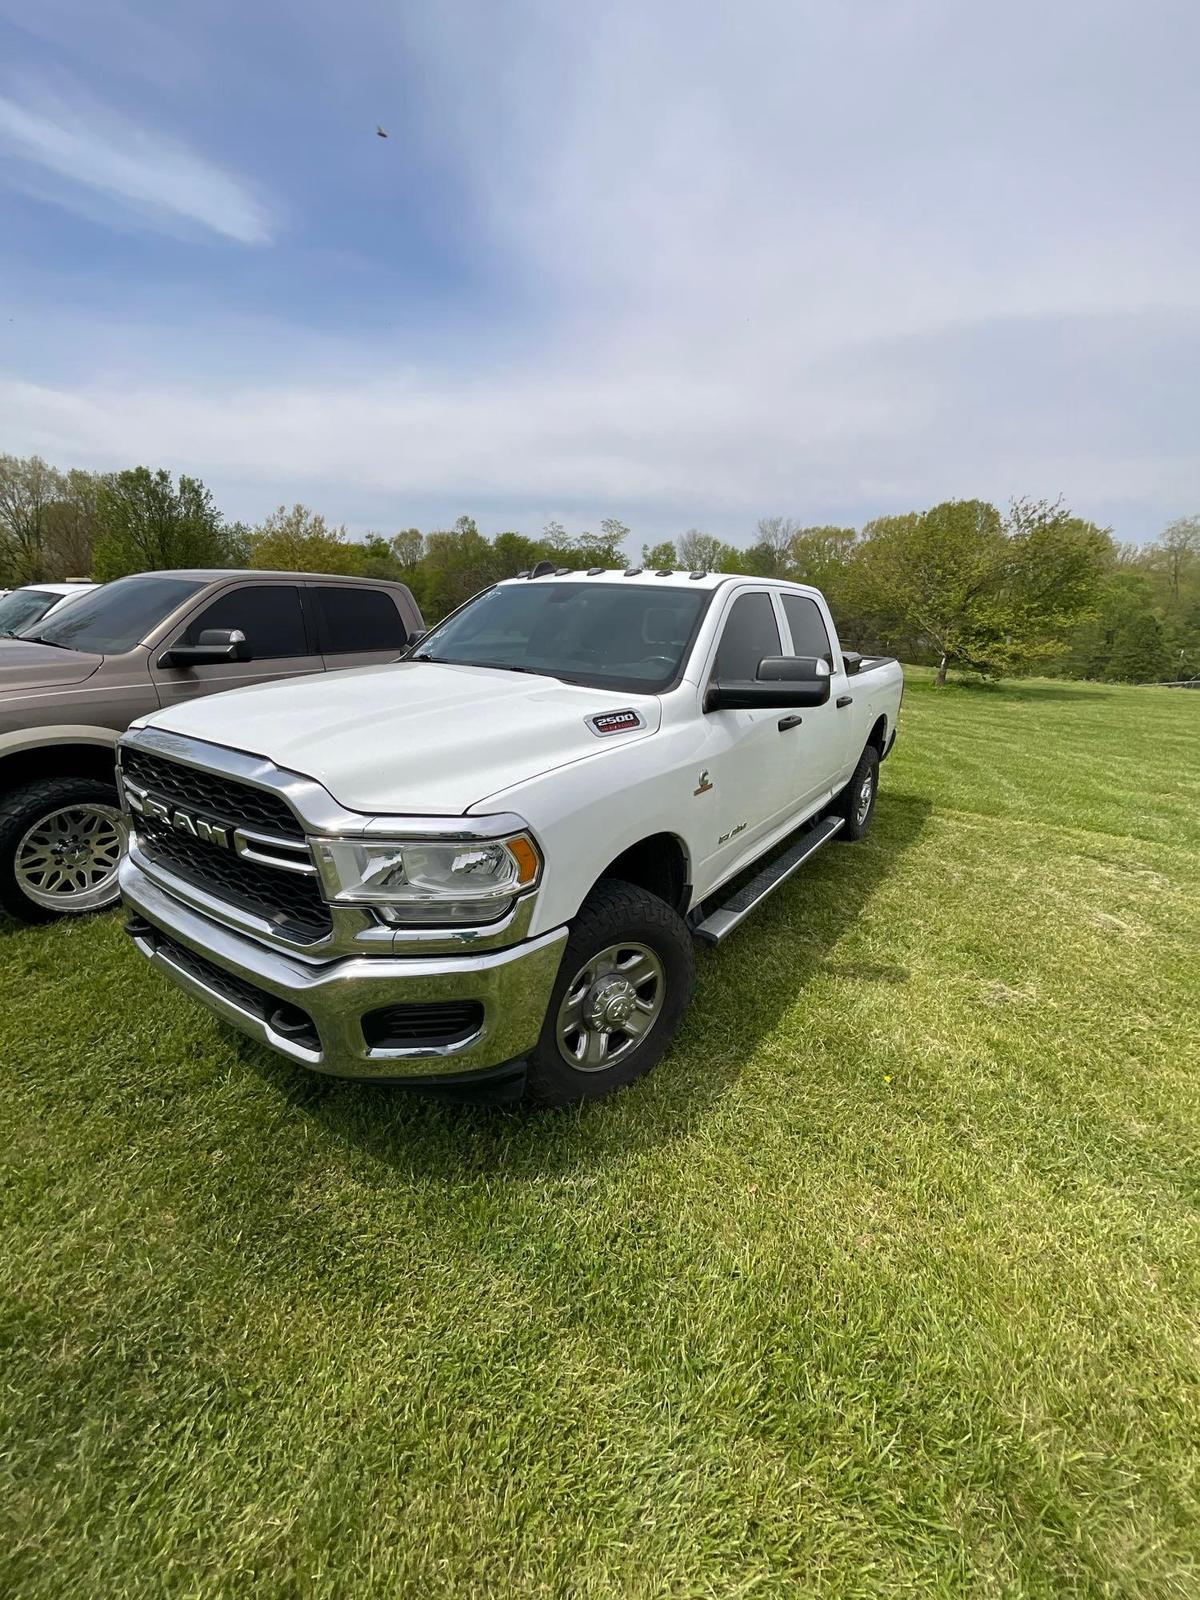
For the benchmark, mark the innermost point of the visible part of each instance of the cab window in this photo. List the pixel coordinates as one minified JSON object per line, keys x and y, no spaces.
{"x":352,"y":620}
{"x":269,"y":614}
{"x":749,"y":634}
{"x":809,"y":635}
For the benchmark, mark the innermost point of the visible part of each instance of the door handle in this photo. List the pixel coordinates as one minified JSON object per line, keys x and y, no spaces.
{"x":844,"y":700}
{"x":789,"y":722}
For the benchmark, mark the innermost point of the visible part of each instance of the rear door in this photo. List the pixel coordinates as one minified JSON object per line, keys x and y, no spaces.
{"x":744,"y":787}
{"x":271,"y":615}
{"x":819,"y":736}
{"x":355,"y":626}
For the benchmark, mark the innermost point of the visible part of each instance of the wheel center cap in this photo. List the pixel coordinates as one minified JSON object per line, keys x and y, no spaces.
{"x":610,"y":1002}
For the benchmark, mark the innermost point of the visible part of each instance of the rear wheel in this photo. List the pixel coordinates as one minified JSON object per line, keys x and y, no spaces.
{"x":60,"y":844}
{"x":856,"y":803}
{"x":627,"y":974}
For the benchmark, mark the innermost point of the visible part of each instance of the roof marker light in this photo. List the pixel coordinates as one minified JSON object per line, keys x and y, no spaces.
{"x":697,"y":574}
{"x":632,"y":572}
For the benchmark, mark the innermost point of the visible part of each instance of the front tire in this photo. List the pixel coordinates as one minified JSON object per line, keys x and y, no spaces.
{"x":627,"y":974}
{"x":60,"y":843}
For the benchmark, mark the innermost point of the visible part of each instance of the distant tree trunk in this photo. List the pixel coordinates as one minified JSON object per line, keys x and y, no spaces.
{"x":940,"y":680}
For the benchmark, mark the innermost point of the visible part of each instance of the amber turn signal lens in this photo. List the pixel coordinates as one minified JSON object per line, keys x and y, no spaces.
{"x":526,"y":858}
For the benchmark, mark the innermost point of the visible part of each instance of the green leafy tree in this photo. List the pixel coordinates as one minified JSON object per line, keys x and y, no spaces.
{"x":1125,"y":598}
{"x":614,"y":533}
{"x":145,"y":522}
{"x":71,"y":525}
{"x":29,"y":488}
{"x":603,"y":549}
{"x":458,"y":563}
{"x":662,"y":554}
{"x":300,"y":540}
{"x":408,"y":546}
{"x":821,"y":556}
{"x":1139,"y":653}
{"x":513,"y":553}
{"x":1054,"y":568}
{"x":1178,"y":553}
{"x":769,"y":553}
{"x":700,"y":552}
{"x":935,"y":576}
{"x":376,"y":558}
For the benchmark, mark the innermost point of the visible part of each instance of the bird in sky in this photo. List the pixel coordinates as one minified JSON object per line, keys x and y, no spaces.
{"x":380,"y":131}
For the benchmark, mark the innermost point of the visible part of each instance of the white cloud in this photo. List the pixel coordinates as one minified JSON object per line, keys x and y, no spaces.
{"x":90,"y":159}
{"x":780,"y":257}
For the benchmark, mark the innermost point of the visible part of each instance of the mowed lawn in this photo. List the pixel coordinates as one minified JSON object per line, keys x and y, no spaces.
{"x":887,"y":1282}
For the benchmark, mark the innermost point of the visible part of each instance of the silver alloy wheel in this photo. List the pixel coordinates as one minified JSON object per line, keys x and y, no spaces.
{"x":67,"y":861}
{"x":865,"y":795}
{"x":609,"y":1006}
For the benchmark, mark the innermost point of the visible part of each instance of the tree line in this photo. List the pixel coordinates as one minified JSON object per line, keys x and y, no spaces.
{"x":962,"y":585}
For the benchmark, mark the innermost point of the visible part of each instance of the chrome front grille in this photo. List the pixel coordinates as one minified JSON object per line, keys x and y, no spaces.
{"x":215,"y":833}
{"x":238,"y":805}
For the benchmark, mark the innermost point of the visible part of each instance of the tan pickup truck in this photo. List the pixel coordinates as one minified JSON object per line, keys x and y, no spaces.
{"x":71,"y":685}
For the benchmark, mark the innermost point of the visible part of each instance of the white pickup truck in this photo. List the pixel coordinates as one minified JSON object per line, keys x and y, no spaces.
{"x":484,"y":865}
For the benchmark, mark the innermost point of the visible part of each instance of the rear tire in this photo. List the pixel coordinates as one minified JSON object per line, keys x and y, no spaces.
{"x":60,"y":842}
{"x":856,"y":803}
{"x":627,"y":974}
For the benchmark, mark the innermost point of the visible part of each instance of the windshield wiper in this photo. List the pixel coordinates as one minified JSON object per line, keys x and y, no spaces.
{"x":36,"y":638}
{"x":497,"y":666}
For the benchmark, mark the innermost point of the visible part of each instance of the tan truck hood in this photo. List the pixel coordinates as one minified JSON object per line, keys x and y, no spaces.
{"x":26,"y":665}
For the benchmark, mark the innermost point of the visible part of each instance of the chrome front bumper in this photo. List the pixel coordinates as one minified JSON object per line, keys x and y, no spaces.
{"x":512,"y":986}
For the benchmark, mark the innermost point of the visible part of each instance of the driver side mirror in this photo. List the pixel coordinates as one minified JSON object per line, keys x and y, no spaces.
{"x":214,"y":644}
{"x":780,"y":681}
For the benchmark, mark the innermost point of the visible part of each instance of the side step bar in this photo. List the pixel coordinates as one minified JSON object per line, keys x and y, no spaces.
{"x":720,"y":924}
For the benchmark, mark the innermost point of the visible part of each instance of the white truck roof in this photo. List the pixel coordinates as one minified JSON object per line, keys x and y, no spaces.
{"x":679,"y":578}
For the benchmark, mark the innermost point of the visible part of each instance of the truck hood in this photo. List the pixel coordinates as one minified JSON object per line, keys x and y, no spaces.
{"x":26,"y":665}
{"x":416,"y":737}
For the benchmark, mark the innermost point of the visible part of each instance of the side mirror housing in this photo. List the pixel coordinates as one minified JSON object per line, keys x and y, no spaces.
{"x":214,"y":644}
{"x":781,"y":681}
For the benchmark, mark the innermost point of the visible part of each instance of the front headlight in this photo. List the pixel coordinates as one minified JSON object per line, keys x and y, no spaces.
{"x":429,"y":880}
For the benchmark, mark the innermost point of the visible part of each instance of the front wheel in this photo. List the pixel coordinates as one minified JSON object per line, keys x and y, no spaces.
{"x":60,"y":844}
{"x":627,"y":974}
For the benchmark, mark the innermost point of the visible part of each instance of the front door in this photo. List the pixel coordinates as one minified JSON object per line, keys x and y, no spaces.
{"x":271,"y":617}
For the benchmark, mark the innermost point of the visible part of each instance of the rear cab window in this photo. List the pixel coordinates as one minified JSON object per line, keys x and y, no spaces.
{"x":351,"y":621}
{"x":810,"y":637}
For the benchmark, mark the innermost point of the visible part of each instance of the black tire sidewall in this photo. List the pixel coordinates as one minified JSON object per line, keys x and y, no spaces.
{"x":18,"y":813}
{"x":854,"y":830}
{"x":614,"y":911}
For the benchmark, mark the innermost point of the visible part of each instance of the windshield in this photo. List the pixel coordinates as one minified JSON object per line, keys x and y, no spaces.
{"x":629,"y":635}
{"x":113,"y":618}
{"x":23,"y":606}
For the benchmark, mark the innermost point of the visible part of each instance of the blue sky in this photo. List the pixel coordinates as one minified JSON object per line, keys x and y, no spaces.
{"x":684,"y":264}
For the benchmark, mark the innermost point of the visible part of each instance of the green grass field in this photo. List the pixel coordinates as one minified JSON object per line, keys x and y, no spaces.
{"x":887,"y":1282}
